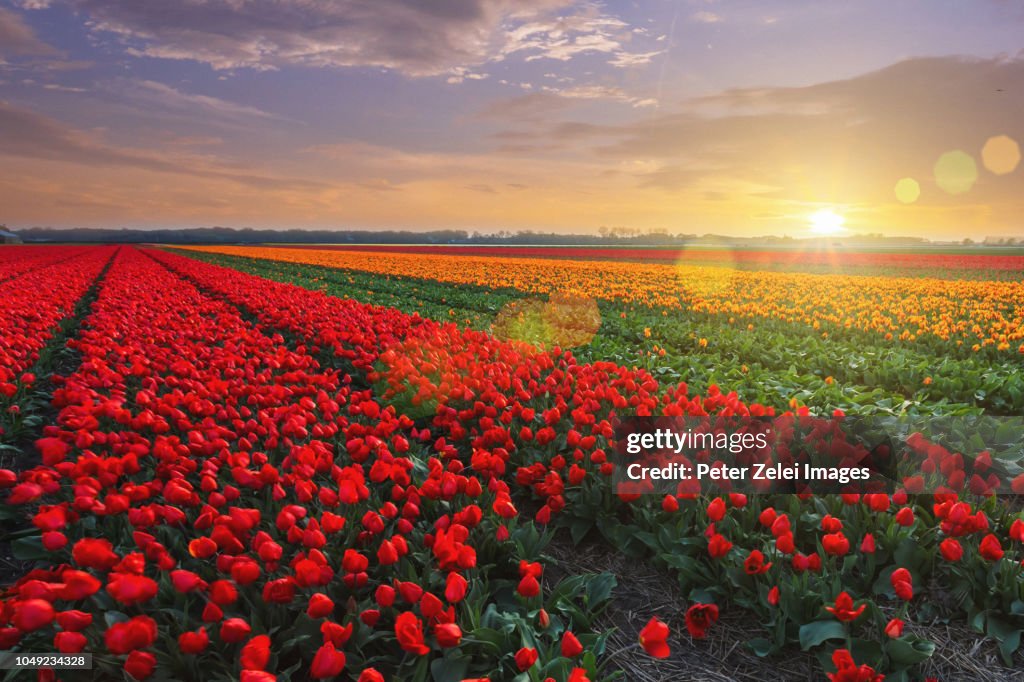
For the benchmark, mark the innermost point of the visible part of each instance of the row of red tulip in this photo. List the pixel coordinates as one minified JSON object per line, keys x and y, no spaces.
{"x":34,"y":302}
{"x":16,"y":260}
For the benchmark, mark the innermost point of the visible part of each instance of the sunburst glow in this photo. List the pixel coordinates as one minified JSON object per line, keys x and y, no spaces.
{"x":826,"y":222}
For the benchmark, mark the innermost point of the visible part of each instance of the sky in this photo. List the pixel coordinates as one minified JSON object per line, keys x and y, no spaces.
{"x":739,"y":117}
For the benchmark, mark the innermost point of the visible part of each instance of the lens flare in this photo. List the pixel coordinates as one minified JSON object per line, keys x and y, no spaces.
{"x":715,"y":272}
{"x":907,"y":190}
{"x":956,"y":172}
{"x":1001,"y":154}
{"x":564,"y":320}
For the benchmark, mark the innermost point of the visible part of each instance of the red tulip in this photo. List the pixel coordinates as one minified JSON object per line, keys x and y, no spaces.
{"x":835,"y":544}
{"x":54,"y":540}
{"x":74,"y":621}
{"x":52,"y":450}
{"x":578,"y":675}
{"x":193,"y":642}
{"x":136,"y":633}
{"x":902,"y":583}
{"x":448,"y":635}
{"x":320,"y":606}
{"x":234,"y":630}
{"x":212,"y":613}
{"x":718,"y":546}
{"x":951,"y":549}
{"x":387,"y":554}
{"x":327,"y":662}
{"x":700,"y":618}
{"x":843,"y":609}
{"x":571,"y":647}
{"x":653,"y":638}
{"x":94,"y":553}
{"x":528,"y":587}
{"x":69,"y":642}
{"x":894,"y":628}
{"x":256,"y":676}
{"x":140,"y":664}
{"x":32,"y":614}
{"x":202,"y":548}
{"x":831,"y":524}
{"x":525,"y":658}
{"x":990,"y":549}
{"x":131,"y":589}
{"x":848,"y":671}
{"x":455,"y":588}
{"x":78,"y":585}
{"x":223,"y":593}
{"x":256,"y":653}
{"x":353,"y":562}
{"x":716,"y":510}
{"x":755,"y":564}
{"x":409,"y":631}
{"x":410,"y":592}
{"x":187,"y":581}
{"x":1017,"y":530}
{"x":280,"y":591}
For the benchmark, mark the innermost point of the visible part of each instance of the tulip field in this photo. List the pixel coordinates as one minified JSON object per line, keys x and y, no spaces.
{"x":272,"y":463}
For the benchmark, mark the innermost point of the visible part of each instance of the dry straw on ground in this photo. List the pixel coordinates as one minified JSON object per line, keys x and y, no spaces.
{"x":644,"y":591}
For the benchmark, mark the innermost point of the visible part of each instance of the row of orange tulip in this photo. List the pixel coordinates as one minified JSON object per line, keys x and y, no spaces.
{"x":975,"y":313}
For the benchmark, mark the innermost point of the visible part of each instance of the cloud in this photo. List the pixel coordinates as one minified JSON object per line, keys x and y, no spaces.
{"x":63,"y":88}
{"x":538,"y":107}
{"x":461,"y":74}
{"x":415,"y":37}
{"x":669,"y":177}
{"x":28,"y":134}
{"x":534,"y":106}
{"x":355,"y":160}
{"x":196,"y":141}
{"x":705,"y":17}
{"x":630,"y":59}
{"x":17,"y":39}
{"x":602,"y":92}
{"x":565,"y":37}
{"x":171,"y":100}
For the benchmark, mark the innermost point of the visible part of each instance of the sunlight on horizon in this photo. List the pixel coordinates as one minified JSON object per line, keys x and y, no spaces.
{"x":826,"y":222}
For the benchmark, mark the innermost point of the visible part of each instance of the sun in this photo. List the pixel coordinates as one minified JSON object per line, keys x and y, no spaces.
{"x":826,"y":222}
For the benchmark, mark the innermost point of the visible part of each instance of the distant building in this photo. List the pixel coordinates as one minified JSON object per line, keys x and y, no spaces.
{"x":9,"y":237}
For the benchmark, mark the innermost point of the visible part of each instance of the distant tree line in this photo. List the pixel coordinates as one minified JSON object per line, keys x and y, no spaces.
{"x":611,"y":236}
{"x":228,"y":235}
